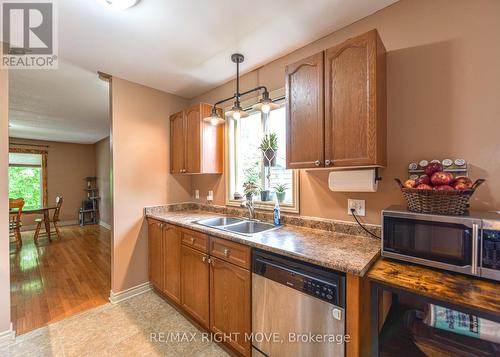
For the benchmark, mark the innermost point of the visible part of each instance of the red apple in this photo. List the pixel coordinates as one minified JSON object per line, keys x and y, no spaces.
{"x":442,"y":178}
{"x":433,"y":167}
{"x":410,"y":183}
{"x":424,"y":179}
{"x":424,"y":186}
{"x":463,"y":183}
{"x":444,"y":188}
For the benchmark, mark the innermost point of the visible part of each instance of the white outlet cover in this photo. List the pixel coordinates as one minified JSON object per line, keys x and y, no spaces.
{"x":197,"y":194}
{"x":358,"y":205}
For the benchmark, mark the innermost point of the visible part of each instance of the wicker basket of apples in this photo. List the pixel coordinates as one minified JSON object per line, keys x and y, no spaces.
{"x":439,"y":192}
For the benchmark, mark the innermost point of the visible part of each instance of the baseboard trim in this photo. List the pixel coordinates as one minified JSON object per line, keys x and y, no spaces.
{"x":7,"y":337}
{"x":60,"y":224}
{"x":120,"y":296}
{"x":105,"y":225}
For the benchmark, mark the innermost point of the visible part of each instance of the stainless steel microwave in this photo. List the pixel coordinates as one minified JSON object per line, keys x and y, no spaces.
{"x":468,"y":244}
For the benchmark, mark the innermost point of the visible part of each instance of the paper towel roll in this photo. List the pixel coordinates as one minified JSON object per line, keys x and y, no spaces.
{"x":364,"y":180}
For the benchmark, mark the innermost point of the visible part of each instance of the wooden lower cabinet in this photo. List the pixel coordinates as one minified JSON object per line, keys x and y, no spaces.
{"x":172,"y":262}
{"x":164,"y":254}
{"x":230,"y":308}
{"x":156,"y":262}
{"x":212,"y":290}
{"x":195,"y":284}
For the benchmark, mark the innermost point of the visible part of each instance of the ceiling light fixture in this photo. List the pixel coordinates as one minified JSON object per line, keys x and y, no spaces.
{"x":118,"y":5}
{"x":265,"y":105}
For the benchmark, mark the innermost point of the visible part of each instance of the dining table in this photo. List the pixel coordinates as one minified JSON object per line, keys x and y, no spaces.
{"x":45,"y":211}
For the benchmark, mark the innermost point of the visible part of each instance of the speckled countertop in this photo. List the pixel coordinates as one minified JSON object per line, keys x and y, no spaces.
{"x":344,"y":252}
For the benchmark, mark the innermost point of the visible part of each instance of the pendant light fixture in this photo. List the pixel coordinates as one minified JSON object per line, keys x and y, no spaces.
{"x":265,"y":105}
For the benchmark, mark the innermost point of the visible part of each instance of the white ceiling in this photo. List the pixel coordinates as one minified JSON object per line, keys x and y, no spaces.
{"x":69,"y":104}
{"x":184,"y":46}
{"x":178,"y":46}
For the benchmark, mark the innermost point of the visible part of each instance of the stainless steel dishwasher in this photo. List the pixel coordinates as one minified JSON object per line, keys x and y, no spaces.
{"x":298,"y":309}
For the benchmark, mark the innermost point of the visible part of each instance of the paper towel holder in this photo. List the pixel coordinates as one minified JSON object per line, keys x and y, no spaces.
{"x":359,"y":179}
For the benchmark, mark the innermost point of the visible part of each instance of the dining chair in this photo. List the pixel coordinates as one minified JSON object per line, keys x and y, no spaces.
{"x":15,"y":223}
{"x":54,"y":220}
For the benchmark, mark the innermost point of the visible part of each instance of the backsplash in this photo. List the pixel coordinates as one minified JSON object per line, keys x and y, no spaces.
{"x":301,"y":221}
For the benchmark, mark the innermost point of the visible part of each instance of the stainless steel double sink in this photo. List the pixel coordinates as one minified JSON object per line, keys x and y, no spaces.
{"x":237,"y":225}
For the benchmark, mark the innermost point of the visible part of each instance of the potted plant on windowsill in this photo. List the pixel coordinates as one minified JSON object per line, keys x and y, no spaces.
{"x":251,"y":190}
{"x":269,"y":148}
{"x":280,"y":190}
{"x":266,"y":195}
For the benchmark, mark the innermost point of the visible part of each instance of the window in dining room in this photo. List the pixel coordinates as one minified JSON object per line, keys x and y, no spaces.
{"x":26,"y":178}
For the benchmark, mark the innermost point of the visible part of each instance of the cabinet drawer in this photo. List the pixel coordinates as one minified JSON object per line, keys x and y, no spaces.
{"x":195,"y":240}
{"x":232,"y":252}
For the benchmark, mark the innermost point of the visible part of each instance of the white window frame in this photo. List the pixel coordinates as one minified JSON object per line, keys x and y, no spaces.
{"x":230,"y":171}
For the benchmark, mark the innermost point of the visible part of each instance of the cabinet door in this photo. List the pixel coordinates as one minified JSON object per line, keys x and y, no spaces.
{"x":155,"y":249}
{"x":212,"y":143}
{"x":354,"y":132}
{"x":194,"y":283}
{"x":193,"y":139}
{"x":230,"y":310}
{"x":172,"y":262}
{"x":177,"y":143}
{"x":304,"y":114}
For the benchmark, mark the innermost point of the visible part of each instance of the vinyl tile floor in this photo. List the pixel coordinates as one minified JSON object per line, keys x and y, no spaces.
{"x":144,"y":325}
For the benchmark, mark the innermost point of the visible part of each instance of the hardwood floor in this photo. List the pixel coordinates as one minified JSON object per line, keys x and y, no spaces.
{"x":53,"y":280}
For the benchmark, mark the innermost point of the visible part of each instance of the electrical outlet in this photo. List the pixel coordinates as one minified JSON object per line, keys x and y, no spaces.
{"x":358,"y":205}
{"x":210,"y":196}
{"x":197,"y":194}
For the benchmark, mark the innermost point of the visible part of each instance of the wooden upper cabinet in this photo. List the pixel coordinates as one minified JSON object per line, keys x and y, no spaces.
{"x":355,"y":102}
{"x":304,"y":113}
{"x":194,"y":123}
{"x":195,"y":282}
{"x":348,"y":81}
{"x":177,"y":143}
{"x":196,"y":146}
{"x":172,"y":262}
{"x":155,"y":256}
{"x":230,"y":309}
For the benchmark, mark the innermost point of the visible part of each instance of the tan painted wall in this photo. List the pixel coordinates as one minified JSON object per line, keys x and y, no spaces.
{"x":4,"y":205}
{"x":67,"y":166}
{"x":443,"y":85}
{"x":102,"y":171}
{"x":140,"y":159}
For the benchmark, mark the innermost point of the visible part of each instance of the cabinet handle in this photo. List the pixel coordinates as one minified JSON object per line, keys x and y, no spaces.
{"x":317,"y":163}
{"x":184,"y":170}
{"x":204,"y":258}
{"x":192,"y":240}
{"x":226,"y":252}
{"x":327,"y":162}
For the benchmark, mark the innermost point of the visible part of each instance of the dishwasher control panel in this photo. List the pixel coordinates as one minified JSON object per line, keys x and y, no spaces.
{"x":321,"y":290}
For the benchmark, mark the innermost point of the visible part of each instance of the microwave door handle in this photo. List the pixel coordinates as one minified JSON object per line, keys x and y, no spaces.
{"x":475,"y":242}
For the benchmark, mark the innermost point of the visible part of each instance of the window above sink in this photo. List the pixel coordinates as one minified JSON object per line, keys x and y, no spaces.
{"x":244,"y":159}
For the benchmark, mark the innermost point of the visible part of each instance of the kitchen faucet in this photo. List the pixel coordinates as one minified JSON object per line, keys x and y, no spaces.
{"x":250,"y":205}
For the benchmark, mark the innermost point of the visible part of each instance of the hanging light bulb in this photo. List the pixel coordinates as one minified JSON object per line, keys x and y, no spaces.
{"x":237,"y":112}
{"x":214,"y":118}
{"x":265,"y":108}
{"x":265,"y":105}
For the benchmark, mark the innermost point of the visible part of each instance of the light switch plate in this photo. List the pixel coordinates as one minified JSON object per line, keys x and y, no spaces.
{"x":358,"y":205}
{"x":197,"y":194}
